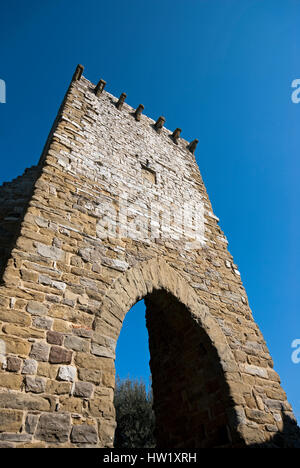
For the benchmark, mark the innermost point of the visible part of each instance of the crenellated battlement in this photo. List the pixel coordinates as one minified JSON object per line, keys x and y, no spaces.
{"x":137,"y":113}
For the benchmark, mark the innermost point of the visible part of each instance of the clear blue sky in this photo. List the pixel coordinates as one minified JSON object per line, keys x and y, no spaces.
{"x":219,"y":69}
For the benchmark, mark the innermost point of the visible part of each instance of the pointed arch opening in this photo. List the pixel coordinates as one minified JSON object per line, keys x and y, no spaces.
{"x":190,"y":393}
{"x":191,"y":363}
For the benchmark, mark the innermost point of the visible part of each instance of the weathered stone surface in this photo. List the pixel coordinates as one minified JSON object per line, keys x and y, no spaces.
{"x":15,"y":437}
{"x":50,"y":252}
{"x":40,"y":351}
{"x":83,"y":332}
{"x":31,"y":423}
{"x":82,"y":259}
{"x":11,"y":381}
{"x":271,"y":428}
{"x":35,"y":384}
{"x":43,"y":322}
{"x":88,"y":361}
{"x":102,"y":407}
{"x":60,"y":355}
{"x":58,"y":388}
{"x":30,"y":367}
{"x":16,"y":317}
{"x":22,"y":332}
{"x":67,"y":373}
{"x":84,"y":434}
{"x":47,"y":370}
{"x":23,"y":401}
{"x":275,"y":404}
{"x":55,"y":338}
{"x":76,"y":343}
{"x":88,"y":375}
{"x":103,"y":351}
{"x":252,"y":434}
{"x":83,"y":389}
{"x":106,"y":432}
{"x":255,"y":370}
{"x":10,"y":420}
{"x":15,"y":345}
{"x":260,"y":403}
{"x":108,"y":379}
{"x":276,"y":394}
{"x":61,"y":326}
{"x":36,"y":308}
{"x":53,"y":428}
{"x":29,"y":276}
{"x":259,"y":416}
{"x":13,"y":364}
{"x":70,"y":404}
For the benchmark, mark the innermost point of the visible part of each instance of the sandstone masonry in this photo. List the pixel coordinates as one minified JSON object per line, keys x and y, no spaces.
{"x":116,"y":211}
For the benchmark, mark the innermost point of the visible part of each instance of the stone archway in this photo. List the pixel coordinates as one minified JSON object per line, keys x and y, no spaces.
{"x":68,"y":279}
{"x":194,"y":399}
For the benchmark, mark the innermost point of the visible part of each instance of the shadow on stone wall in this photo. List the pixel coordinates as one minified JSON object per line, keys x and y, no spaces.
{"x":15,"y":197}
{"x":288,"y":437}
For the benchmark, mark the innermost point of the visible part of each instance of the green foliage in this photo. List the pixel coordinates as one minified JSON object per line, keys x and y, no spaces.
{"x":134,"y":414}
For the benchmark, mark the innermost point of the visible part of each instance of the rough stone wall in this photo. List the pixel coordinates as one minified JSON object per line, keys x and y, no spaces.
{"x":72,"y":276}
{"x":14,"y":198}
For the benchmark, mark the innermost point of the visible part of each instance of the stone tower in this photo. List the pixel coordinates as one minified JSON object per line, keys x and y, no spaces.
{"x":114,"y":212}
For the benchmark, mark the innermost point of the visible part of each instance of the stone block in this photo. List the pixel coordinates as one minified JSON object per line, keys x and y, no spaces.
{"x":16,"y":345}
{"x":82,"y":332}
{"x":55,"y":338}
{"x":83,"y":389}
{"x":102,"y":407}
{"x":76,"y":343}
{"x":24,"y":401}
{"x":58,"y":388}
{"x":52,"y":253}
{"x":47,"y":370}
{"x":10,"y":420}
{"x":11,"y":381}
{"x":61,"y":326}
{"x":67,"y":373}
{"x":42,"y":322}
{"x":28,"y":275}
{"x":13,"y":364}
{"x":103,"y":351}
{"x":16,"y":317}
{"x":60,"y":355}
{"x":89,"y":361}
{"x":259,"y":417}
{"x":31,"y":423}
{"x":108,"y":379}
{"x":40,"y":351}
{"x":15,"y":437}
{"x":35,"y":384}
{"x":53,"y":428}
{"x":90,"y":375}
{"x":22,"y":332}
{"x":84,"y":434}
{"x":253,"y":435}
{"x":70,"y":404}
{"x":30,"y":367}
{"x":36,"y":308}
